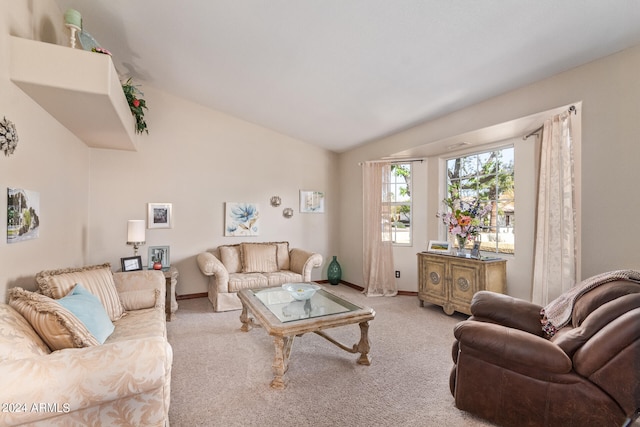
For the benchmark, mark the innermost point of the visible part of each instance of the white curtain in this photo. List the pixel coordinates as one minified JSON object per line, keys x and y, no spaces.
{"x":378,"y":269}
{"x":554,"y":269}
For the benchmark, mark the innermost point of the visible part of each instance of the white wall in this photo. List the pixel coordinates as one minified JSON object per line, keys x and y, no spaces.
{"x":609,"y":89}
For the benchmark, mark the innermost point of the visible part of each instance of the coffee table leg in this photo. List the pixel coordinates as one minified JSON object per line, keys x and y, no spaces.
{"x":281,"y":361}
{"x":363,"y":346}
{"x":244,"y":318}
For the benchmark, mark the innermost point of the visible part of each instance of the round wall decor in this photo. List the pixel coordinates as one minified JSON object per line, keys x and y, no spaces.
{"x":8,"y":136}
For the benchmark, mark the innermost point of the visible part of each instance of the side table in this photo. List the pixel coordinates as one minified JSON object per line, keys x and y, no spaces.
{"x":171,"y":305}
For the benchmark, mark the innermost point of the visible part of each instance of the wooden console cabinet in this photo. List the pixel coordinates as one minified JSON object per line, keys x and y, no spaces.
{"x":451,"y":281}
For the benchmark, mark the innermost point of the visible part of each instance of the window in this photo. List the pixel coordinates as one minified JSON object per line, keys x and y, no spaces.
{"x":489,"y":177}
{"x":399,"y":201}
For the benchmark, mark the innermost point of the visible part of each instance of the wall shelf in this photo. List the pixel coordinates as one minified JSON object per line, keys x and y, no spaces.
{"x":80,"y":89}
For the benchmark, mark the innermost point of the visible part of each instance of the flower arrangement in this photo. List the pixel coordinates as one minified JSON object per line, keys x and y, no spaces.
{"x":136,"y":104}
{"x":463,"y":218}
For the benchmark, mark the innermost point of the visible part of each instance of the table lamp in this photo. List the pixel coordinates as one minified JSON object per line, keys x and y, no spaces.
{"x":135,"y":234}
{"x":73,"y":21}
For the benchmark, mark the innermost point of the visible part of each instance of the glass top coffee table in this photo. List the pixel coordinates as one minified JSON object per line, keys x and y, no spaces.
{"x":284,"y":318}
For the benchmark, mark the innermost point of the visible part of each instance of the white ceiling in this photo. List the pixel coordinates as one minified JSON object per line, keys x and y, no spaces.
{"x":339,"y":73}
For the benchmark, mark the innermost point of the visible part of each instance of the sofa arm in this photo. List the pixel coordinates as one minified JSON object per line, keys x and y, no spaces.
{"x":511,"y":348}
{"x":508,"y":311}
{"x":141,"y":289}
{"x":211,"y":266}
{"x":76,"y":378}
{"x":302,"y":262}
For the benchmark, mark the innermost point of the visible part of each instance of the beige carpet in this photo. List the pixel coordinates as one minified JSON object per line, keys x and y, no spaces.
{"x":221,"y":375}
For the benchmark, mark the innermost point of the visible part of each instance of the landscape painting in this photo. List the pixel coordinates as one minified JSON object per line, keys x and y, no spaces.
{"x":23,"y":215}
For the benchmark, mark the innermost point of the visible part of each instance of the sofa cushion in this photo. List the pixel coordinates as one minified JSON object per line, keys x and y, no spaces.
{"x":140,"y":289}
{"x":278,"y":278}
{"x":19,"y":339}
{"x":238,"y":281}
{"x":97,"y":279}
{"x":56,"y":325}
{"x":283,"y":255}
{"x":259,"y":257}
{"x":88,"y":308}
{"x":140,"y":324}
{"x":231,"y":258}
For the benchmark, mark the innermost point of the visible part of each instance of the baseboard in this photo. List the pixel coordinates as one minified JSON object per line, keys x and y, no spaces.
{"x":342,"y":282}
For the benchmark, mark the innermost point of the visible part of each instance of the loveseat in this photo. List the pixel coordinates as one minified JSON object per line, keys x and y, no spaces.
{"x":509,"y":371}
{"x":253,"y":265}
{"x":88,"y":348}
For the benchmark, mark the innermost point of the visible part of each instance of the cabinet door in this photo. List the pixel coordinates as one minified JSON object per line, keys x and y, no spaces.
{"x":464,"y":284}
{"x":433,"y":283}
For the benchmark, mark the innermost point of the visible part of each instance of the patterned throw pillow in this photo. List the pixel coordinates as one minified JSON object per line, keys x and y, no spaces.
{"x":56,"y":325}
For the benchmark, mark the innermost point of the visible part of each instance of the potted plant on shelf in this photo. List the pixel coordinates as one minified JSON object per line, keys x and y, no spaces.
{"x":136,"y":104}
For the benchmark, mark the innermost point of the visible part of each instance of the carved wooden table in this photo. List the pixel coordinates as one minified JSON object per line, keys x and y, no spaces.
{"x":285,"y":318}
{"x":171,"y":305}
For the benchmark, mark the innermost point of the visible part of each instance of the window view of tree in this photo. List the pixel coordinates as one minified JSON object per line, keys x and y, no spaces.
{"x":399,"y":199}
{"x":487,"y":177}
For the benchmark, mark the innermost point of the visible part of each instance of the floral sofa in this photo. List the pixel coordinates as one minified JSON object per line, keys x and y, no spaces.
{"x":88,"y":348}
{"x":253,"y":265}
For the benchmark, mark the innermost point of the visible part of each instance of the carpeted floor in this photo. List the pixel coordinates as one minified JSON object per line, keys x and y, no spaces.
{"x":221,"y":375}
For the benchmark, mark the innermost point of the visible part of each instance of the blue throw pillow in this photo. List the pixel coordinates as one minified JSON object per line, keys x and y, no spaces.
{"x":88,"y":308}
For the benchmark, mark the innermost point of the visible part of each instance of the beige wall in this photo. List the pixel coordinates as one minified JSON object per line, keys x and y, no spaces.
{"x":48,"y":159}
{"x":193,"y":157}
{"x":198,"y":159}
{"x":609,"y":89}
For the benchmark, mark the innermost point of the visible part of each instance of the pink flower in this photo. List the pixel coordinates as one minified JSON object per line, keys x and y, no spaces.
{"x":136,"y":103}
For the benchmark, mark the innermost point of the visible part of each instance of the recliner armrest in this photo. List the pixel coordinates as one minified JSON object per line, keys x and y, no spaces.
{"x":507,"y":311}
{"x":512,"y":348}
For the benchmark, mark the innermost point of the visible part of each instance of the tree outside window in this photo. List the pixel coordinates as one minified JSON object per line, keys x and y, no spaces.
{"x":399,"y":200}
{"x":489,"y":177}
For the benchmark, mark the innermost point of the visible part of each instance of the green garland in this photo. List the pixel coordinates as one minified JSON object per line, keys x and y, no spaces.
{"x":136,"y":105}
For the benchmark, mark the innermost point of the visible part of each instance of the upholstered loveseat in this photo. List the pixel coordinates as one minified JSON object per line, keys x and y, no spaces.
{"x":89,"y":348}
{"x":253,"y":265}
{"x":507,"y":370}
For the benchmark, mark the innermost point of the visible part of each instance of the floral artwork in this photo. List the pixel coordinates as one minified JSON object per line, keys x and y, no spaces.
{"x":242,"y":219}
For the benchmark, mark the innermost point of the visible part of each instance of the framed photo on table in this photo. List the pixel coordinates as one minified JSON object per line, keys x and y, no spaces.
{"x":133,"y":263}
{"x":159,"y":254}
{"x":438,"y":246}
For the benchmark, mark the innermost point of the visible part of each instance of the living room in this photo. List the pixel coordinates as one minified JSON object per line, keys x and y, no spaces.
{"x":198,"y":158}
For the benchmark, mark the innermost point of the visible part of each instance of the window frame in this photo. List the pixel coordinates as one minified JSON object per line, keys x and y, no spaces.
{"x":395,"y":183}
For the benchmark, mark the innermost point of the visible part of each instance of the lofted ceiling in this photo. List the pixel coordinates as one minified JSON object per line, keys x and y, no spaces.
{"x":340,"y":73}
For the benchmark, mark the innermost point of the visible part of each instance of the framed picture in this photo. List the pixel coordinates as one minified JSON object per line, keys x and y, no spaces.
{"x":241,"y":219}
{"x":133,"y":263}
{"x":159,"y":254}
{"x":23,"y":215}
{"x":438,"y":246}
{"x":475,"y":252}
{"x":159,"y":215}
{"x":311,"y":201}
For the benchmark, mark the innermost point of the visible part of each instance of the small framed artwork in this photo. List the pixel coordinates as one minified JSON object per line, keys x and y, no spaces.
{"x":438,"y":246}
{"x":311,"y":201}
{"x":242,"y":219}
{"x":133,"y":263}
{"x":159,"y":215}
{"x":475,"y":252}
{"x":159,"y":254}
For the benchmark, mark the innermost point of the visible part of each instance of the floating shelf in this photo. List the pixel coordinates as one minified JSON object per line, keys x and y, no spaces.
{"x":80,"y":89}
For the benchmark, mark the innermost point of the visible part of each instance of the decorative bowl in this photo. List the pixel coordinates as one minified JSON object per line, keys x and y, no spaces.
{"x":301,"y":291}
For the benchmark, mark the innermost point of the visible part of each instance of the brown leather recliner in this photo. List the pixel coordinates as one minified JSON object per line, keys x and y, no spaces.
{"x":588,"y":374}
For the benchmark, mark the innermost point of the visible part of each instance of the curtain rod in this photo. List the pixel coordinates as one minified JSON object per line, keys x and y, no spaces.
{"x":392,"y":161}
{"x":571,"y":109}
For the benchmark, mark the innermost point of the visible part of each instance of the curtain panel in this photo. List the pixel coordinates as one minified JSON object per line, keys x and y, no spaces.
{"x":554,"y":270}
{"x":378,"y":266}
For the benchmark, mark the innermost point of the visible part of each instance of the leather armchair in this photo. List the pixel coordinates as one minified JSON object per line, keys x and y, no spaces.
{"x":588,"y":374}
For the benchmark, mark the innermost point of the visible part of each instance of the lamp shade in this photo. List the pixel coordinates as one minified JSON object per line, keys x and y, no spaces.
{"x":135,"y":230}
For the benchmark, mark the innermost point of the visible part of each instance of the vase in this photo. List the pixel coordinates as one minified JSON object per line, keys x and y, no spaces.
{"x":334,"y":272}
{"x":462,"y":241}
